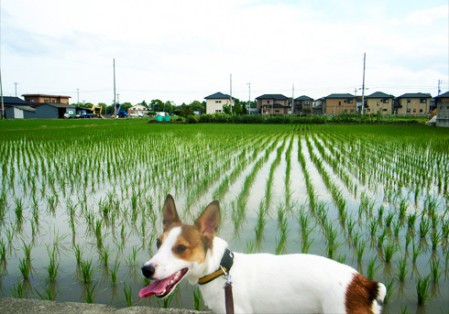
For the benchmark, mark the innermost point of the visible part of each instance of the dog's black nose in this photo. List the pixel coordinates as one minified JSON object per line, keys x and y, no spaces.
{"x":148,"y":271}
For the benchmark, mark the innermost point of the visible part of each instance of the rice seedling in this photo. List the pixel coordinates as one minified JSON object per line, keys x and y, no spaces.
{"x":25,"y":269}
{"x":371,"y":270}
{"x":114,"y":272}
{"x":435,"y":270}
{"x":422,"y":289}
{"x":78,"y":254}
{"x":49,"y":293}
{"x":360,"y":250}
{"x":89,"y":292}
{"x":402,"y":269}
{"x":128,"y":291}
{"x":86,"y":271}
{"x":424,"y":228}
{"x":53,"y":266}
{"x":389,"y":285}
{"x":197,"y":299}
{"x":18,"y":290}
{"x":19,"y":211}
{"x":388,"y":251}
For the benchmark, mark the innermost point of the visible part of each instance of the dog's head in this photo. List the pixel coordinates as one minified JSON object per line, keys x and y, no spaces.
{"x":181,"y":249}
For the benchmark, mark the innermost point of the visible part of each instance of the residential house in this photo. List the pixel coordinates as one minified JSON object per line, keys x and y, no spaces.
{"x":379,"y":103}
{"x":37,"y":99}
{"x":49,"y":106}
{"x":336,"y":104}
{"x":303,"y":105}
{"x":138,"y":111}
{"x":215,"y":103}
{"x":273,"y":104}
{"x":412,"y":104}
{"x":442,"y":106}
{"x":319,"y":106}
{"x":17,"y":108}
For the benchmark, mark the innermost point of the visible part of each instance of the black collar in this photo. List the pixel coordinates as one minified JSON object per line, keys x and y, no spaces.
{"x":225,"y":266}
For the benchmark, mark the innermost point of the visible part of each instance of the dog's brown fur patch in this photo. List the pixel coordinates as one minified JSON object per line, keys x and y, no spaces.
{"x":190,"y":239}
{"x":360,"y":295}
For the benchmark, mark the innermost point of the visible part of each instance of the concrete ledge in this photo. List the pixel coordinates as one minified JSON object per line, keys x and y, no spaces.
{"x":30,"y":306}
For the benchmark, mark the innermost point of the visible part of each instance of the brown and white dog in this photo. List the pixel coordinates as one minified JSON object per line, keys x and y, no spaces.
{"x":262,"y":283}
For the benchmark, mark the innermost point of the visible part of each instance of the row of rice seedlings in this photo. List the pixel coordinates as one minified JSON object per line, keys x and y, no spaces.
{"x":308,"y":182}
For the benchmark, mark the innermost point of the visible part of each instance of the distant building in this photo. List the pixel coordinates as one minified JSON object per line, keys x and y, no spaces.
{"x":273,"y":104}
{"x":442,"y":107}
{"x":303,"y":105}
{"x":53,"y":110}
{"x":379,"y":103}
{"x":46,"y":99}
{"x":413,"y":104}
{"x":17,"y":108}
{"x":215,"y":103}
{"x":138,"y":111}
{"x":336,"y":104}
{"x":49,"y":106}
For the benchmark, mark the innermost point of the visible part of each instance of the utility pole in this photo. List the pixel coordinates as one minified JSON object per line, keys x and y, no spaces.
{"x":78,"y":96}
{"x":1,"y":84}
{"x":439,"y":87}
{"x":363,"y":83}
{"x":15,"y":88}
{"x":115,"y":93}
{"x":249,"y":97}
{"x":230,"y":91}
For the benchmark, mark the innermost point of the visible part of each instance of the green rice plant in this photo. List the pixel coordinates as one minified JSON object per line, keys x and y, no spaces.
{"x":411,"y":219}
{"x":53,"y":266}
{"x":416,"y":251}
{"x":114,"y":272}
{"x":404,"y":310}
{"x":422,"y":289}
{"x":435,"y":239}
{"x":105,"y":257}
{"x":48,"y":294}
{"x":402,"y":209}
{"x":360,"y":250}
{"x":389,"y":285}
{"x":19,"y":211}
{"x":350,"y":224}
{"x":17,"y":290}
{"x":27,"y":252}
{"x":89,"y":291}
{"x":435,"y":270}
{"x":86,"y":271}
{"x":402,"y":269}
{"x":388,"y":251}
{"x":3,"y":251}
{"x":197,"y":299}
{"x":260,"y":221}
{"x":25,"y":269}
{"x":331,"y":236}
{"x":78,"y":254}
{"x":371,"y":270}
{"x":98,"y":234}
{"x":128,"y":291}
{"x":424,"y":227}
{"x":3,"y":205}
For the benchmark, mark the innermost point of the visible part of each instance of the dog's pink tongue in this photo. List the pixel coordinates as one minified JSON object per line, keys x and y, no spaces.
{"x":156,"y":287}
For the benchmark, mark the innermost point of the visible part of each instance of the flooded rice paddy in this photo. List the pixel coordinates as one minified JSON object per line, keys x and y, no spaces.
{"x":80,"y":203}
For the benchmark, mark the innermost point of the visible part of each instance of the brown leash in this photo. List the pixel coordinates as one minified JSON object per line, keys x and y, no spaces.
{"x":225,"y":266}
{"x":229,"y":299}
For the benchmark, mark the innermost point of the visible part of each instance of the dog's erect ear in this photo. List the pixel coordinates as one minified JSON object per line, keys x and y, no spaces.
{"x":170,"y":213}
{"x":208,"y":222}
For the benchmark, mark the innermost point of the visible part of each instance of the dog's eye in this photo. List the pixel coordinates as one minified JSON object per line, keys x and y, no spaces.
{"x":180,"y":248}
{"x":158,"y":243}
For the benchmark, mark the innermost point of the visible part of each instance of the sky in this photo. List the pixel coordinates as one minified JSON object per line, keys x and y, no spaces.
{"x":181,"y":51}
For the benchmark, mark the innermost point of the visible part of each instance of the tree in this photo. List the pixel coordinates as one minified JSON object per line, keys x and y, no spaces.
{"x":157,"y":105}
{"x":198,"y":106}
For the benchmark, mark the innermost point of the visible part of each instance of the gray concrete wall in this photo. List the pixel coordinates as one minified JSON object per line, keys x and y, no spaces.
{"x":29,"y":306}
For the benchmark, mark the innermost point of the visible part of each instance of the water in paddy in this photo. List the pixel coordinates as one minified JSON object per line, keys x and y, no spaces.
{"x":60,"y":206}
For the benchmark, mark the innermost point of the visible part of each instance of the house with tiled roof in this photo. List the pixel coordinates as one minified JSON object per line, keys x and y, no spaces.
{"x":442,"y":107}
{"x":412,"y":104}
{"x":303,"y":105}
{"x":336,"y":104}
{"x":379,"y":103}
{"x":273,"y":104}
{"x":215,"y":103}
{"x":17,"y":108}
